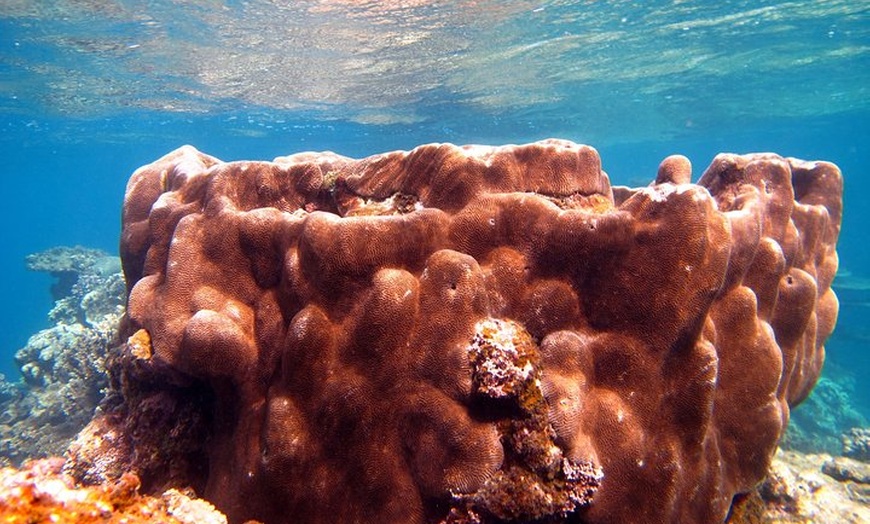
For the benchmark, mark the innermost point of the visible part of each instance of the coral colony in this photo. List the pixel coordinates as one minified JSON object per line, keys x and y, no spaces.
{"x":464,"y":334}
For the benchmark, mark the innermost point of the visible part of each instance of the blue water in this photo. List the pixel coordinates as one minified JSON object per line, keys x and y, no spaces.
{"x":89,"y":91}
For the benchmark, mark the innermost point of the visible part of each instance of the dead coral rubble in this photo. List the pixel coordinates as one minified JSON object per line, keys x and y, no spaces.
{"x":436,"y":335}
{"x":799,"y":488}
{"x":39,"y":492}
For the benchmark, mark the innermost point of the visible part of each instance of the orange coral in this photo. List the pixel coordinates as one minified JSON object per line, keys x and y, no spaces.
{"x":39,"y":492}
{"x":140,"y":344}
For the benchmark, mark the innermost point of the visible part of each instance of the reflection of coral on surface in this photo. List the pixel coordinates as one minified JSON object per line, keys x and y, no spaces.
{"x":396,"y":338}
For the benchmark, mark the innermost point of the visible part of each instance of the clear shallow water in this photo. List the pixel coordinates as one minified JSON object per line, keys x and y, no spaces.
{"x":90,"y":90}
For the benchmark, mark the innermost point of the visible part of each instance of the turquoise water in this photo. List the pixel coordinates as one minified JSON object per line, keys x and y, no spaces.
{"x":91,"y":90}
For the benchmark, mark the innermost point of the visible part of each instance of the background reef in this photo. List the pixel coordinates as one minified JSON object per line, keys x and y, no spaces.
{"x":62,"y":368}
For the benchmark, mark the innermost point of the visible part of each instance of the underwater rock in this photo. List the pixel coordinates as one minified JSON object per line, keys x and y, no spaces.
{"x":845,"y":468}
{"x":63,"y":367}
{"x":468,"y":334}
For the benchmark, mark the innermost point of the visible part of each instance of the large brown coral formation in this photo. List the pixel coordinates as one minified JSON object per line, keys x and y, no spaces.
{"x":331,"y":310}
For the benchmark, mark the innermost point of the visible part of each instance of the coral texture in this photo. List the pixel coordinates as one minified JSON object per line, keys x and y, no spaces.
{"x":856,"y":444}
{"x":62,"y":367}
{"x":475,"y":334}
{"x":40,"y":492}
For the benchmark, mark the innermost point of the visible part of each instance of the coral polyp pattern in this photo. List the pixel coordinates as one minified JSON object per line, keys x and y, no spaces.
{"x":470,"y":334}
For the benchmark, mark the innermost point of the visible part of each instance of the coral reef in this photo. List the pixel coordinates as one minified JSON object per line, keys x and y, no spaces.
{"x":71,"y":266}
{"x":856,"y":444}
{"x":149,"y":419}
{"x":817,"y":424}
{"x":466,"y":334}
{"x":40,"y":492}
{"x":799,"y":488}
{"x":62,"y":367}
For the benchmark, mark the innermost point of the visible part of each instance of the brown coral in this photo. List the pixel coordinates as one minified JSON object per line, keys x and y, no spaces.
{"x":330,"y":310}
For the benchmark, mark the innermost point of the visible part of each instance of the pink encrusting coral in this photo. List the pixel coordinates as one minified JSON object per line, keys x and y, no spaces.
{"x":467,"y":334}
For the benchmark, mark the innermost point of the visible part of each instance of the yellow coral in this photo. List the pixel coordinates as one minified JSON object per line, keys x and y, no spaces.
{"x":140,"y":345}
{"x":39,"y":492}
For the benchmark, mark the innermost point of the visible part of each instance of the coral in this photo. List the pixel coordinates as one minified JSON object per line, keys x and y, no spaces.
{"x":856,"y":444}
{"x":39,"y":492}
{"x":818,"y":424}
{"x":467,"y":334}
{"x":536,"y":480}
{"x":62,"y":367}
{"x":798,"y":489}
{"x":63,"y":353}
{"x":149,"y":421}
{"x":67,"y":264}
{"x":503,"y":359}
{"x":64,"y":259}
{"x":845,"y":469}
